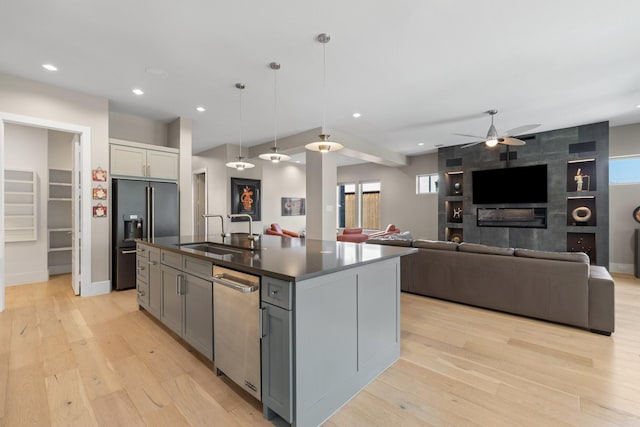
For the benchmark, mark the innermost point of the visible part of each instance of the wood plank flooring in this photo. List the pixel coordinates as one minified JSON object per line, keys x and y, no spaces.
{"x":66,"y":360}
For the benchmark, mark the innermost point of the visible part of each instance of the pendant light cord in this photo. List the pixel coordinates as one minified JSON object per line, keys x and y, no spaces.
{"x":240,"y":156}
{"x":275,"y":110}
{"x":324,"y":86}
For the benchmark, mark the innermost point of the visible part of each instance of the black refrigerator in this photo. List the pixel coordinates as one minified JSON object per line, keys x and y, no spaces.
{"x":141,"y":209}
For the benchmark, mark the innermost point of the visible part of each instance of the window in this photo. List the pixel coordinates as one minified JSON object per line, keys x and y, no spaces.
{"x":370,"y":202}
{"x":359,"y":205}
{"x":624,"y":170}
{"x":426,"y":184}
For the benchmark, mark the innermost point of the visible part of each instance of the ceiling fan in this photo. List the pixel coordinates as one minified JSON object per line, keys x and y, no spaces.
{"x":492,"y":139}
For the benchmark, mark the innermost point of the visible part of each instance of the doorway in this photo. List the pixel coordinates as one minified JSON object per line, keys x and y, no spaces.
{"x":199,"y":203}
{"x":81,"y":199}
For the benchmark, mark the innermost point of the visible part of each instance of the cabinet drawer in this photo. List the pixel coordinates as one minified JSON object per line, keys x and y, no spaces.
{"x":142,"y":270}
{"x":277,"y":292}
{"x":143,"y":293}
{"x":171,"y":259}
{"x":143,"y":251}
{"x":197,"y":267}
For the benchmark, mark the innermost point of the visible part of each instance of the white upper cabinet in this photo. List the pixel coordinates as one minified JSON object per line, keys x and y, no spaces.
{"x":131,"y":159}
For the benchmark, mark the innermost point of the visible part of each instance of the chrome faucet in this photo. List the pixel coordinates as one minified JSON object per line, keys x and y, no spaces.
{"x":251,"y":236}
{"x":206,"y":229}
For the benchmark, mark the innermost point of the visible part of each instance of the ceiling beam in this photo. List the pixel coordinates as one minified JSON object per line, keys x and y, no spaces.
{"x":353,"y":147}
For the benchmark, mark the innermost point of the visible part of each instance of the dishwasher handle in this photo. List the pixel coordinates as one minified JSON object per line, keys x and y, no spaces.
{"x":240,"y":287}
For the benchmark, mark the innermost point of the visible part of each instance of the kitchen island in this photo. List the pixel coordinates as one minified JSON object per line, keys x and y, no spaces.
{"x":327,"y":314}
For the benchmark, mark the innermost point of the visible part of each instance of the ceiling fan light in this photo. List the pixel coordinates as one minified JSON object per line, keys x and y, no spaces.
{"x":492,"y":142}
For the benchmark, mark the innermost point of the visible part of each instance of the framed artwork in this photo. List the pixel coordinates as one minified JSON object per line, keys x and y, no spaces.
{"x":245,"y":198}
{"x":99,"y":175}
{"x":293,"y":206}
{"x":99,"y":193}
{"x":99,"y":211}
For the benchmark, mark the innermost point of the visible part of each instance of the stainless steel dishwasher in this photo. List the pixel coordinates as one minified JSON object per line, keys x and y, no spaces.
{"x":236,"y":327}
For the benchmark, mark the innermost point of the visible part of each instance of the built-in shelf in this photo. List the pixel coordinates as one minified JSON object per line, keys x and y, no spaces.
{"x":59,"y":221}
{"x":20,"y":207}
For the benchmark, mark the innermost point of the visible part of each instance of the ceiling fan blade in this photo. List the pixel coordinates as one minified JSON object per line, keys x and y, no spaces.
{"x":472,"y":144}
{"x":512,"y":141}
{"x":520,"y":129}
{"x":470,"y":136}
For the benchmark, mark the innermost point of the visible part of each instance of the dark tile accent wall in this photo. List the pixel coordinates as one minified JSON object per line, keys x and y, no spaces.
{"x":554,"y":148}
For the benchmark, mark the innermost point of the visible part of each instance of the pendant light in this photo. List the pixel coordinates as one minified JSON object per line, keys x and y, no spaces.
{"x":273,"y":154}
{"x":240,"y":164}
{"x":324,"y":145}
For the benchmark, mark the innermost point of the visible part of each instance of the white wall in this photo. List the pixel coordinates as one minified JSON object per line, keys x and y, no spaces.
{"x":26,"y":149}
{"x":60,"y":151}
{"x":30,"y":98}
{"x":623,"y":199}
{"x":400,"y":205}
{"x":138,"y":129}
{"x":282,"y":180}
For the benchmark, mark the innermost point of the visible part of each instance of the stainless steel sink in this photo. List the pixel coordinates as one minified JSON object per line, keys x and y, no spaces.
{"x":212,"y":248}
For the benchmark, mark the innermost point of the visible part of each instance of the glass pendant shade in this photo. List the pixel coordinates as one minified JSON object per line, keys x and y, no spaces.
{"x":274,"y":156}
{"x":240,"y":164}
{"x":324,"y":145}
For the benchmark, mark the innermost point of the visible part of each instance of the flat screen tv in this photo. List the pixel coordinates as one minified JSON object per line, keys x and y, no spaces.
{"x":526,"y":184}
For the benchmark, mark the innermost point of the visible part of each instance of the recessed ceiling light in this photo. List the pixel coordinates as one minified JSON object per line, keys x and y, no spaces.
{"x":420,"y":144}
{"x":49,"y":67}
{"x":201,"y":109}
{"x":138,"y":91}
{"x":356,"y":115}
{"x":297,"y":161}
{"x":638,"y":106}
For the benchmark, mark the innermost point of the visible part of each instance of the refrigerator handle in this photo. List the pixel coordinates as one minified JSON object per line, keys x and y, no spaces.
{"x":148,"y":206}
{"x":153,"y":212}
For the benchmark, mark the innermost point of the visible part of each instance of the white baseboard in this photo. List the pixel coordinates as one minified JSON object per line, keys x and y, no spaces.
{"x":25,"y":278}
{"x":95,"y":288}
{"x":621,"y":268}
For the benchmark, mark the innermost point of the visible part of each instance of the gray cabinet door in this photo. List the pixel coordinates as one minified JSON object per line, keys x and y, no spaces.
{"x":198,"y":314}
{"x":155,"y":283}
{"x":171,"y":313}
{"x":277,"y":361}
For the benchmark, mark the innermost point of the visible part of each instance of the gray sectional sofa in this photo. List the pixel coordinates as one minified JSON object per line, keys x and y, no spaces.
{"x":560,"y":287}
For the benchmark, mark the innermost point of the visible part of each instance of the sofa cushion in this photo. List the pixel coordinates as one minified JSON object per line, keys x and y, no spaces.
{"x":435,"y":244}
{"x":558,"y":256}
{"x":276,"y":228}
{"x":484,"y":249}
{"x":352,"y":231}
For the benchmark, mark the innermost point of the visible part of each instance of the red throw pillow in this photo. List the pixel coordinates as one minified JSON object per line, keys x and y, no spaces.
{"x":276,"y":228}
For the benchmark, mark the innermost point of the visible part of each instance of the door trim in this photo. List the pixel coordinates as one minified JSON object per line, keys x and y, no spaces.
{"x":84,"y":134}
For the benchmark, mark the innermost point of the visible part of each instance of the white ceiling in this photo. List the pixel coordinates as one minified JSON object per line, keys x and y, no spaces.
{"x":417,"y":70}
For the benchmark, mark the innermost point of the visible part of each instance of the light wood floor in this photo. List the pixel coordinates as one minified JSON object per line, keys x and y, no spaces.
{"x":66,"y":360}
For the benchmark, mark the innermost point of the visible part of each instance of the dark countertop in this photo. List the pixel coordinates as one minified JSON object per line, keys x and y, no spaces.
{"x":287,"y":258}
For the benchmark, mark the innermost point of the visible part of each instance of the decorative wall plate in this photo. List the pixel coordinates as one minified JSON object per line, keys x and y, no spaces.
{"x":636,"y":214}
